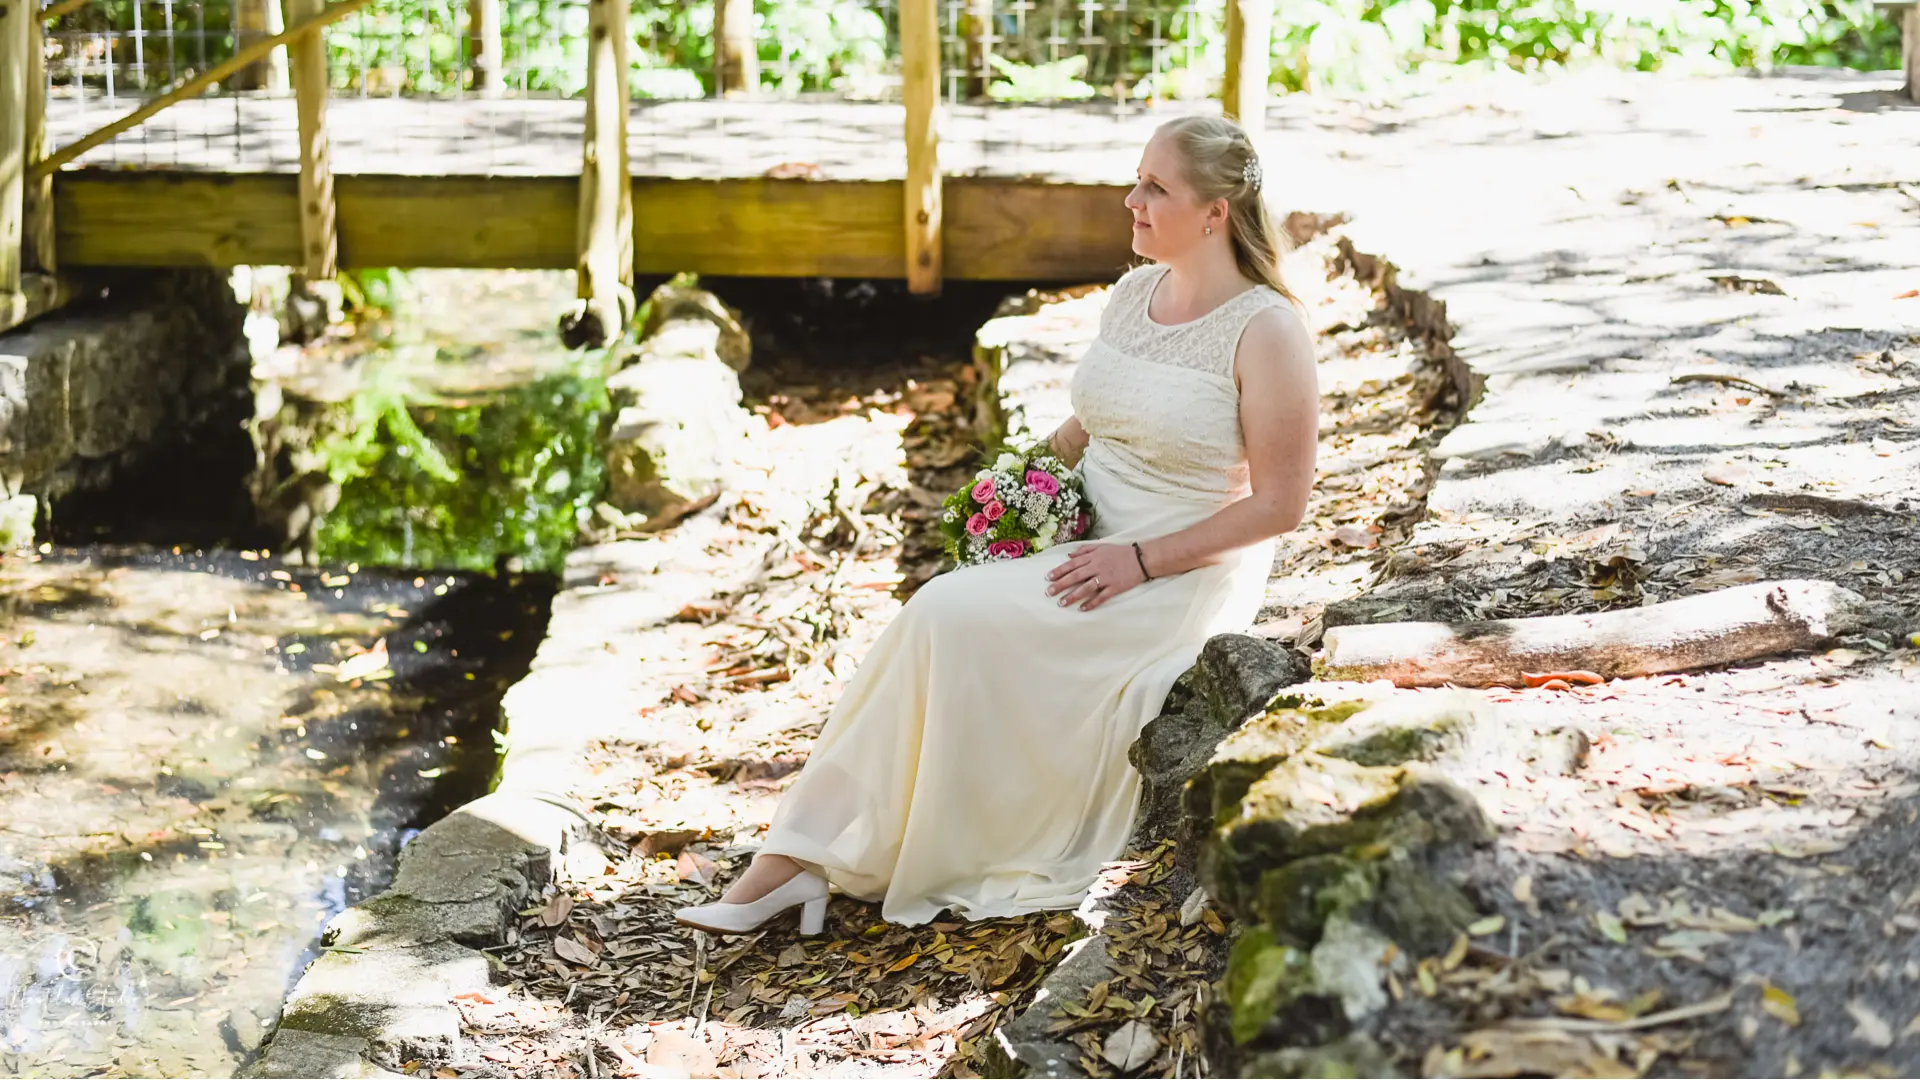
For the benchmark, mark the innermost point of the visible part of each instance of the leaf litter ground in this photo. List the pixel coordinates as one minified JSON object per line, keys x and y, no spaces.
{"x":827,"y":531}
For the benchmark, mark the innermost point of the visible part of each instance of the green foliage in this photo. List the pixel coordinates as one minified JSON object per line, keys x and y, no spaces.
{"x":431,"y":482}
{"x":1058,"y":81}
{"x":1362,"y":44}
{"x":422,"y":47}
{"x":817,"y":44}
{"x":375,"y":292}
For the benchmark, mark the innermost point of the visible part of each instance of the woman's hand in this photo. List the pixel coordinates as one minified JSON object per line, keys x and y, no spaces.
{"x":1095,"y":574}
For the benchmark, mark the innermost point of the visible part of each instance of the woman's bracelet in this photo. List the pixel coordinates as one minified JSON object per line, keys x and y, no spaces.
{"x":1141,"y":557}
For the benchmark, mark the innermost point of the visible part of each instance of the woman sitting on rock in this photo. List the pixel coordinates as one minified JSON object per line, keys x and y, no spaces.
{"x":978,"y":760}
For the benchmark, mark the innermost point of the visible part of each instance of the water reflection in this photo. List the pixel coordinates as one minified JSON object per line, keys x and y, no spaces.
{"x":444,"y":437}
{"x":202,"y":758}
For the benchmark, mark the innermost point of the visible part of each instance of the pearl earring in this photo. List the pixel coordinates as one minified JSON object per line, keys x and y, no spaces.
{"x":1209,"y":230}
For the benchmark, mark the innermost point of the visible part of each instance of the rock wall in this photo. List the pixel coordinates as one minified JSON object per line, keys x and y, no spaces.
{"x":678,"y":419}
{"x":142,"y":363}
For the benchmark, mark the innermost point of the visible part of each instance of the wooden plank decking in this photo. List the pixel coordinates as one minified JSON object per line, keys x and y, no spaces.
{"x":1032,"y":193}
{"x":705,"y":140}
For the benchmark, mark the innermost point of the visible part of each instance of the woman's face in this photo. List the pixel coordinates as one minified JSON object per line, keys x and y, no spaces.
{"x":1169,"y":219}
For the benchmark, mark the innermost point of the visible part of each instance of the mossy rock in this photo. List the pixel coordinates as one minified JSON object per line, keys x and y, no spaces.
{"x":1263,"y":978}
{"x":1234,"y":678}
{"x":1312,"y":805}
{"x":1412,"y":727}
{"x":1253,"y":750}
{"x":1419,"y":909}
{"x":1297,"y":899}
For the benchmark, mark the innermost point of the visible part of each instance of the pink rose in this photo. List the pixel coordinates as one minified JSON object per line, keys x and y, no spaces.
{"x":994,"y":510}
{"x":983,"y":490}
{"x":977,"y":525}
{"x":1006,"y":549}
{"x":1075,"y":528}
{"x":1043,"y":482}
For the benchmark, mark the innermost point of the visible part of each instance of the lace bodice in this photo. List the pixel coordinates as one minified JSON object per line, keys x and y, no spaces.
{"x":1161,"y":402}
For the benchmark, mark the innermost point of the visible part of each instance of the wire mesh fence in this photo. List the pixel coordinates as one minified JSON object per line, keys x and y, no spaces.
{"x":494,"y":85}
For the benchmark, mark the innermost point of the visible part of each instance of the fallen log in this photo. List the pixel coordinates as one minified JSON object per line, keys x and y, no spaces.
{"x":1705,"y":631}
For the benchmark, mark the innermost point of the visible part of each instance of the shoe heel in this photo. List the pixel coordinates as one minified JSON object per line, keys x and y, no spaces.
{"x":813,"y":917}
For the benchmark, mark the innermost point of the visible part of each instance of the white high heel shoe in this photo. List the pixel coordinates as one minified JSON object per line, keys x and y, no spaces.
{"x":805,"y":890}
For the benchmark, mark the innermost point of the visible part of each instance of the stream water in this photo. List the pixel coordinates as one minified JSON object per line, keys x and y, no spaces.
{"x":207,"y":751}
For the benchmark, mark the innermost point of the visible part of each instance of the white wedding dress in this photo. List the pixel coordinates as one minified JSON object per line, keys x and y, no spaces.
{"x":978,"y":759}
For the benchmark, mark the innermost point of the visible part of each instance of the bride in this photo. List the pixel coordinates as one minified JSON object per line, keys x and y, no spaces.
{"x":978,"y":760}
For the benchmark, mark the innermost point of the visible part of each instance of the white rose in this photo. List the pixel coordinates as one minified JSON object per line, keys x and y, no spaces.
{"x":1042,"y":542}
{"x":1007,"y":462}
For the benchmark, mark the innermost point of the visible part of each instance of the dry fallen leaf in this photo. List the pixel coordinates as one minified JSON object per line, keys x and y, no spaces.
{"x":1355,"y":536}
{"x":1610,"y":926}
{"x":1495,"y":1052}
{"x":1780,"y":1005}
{"x":1598,"y":1005}
{"x":1869,"y":1028}
{"x":666,"y":841}
{"x":367,"y":665}
{"x":693,"y":866}
{"x":1726,"y":474}
{"x":681,"y":1054}
{"x":573,"y":952}
{"x":557,"y":909}
{"x":1130,"y":1046}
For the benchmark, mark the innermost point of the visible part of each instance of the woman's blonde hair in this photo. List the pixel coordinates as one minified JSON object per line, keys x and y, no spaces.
{"x":1220,"y":164}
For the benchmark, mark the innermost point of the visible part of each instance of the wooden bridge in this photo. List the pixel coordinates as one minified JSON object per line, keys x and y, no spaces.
{"x":220,"y":164}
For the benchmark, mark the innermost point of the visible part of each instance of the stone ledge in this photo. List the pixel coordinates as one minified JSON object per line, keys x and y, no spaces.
{"x":384,"y":991}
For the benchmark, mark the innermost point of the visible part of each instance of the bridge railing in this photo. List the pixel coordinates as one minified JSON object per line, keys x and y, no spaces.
{"x":505,"y":86}
{"x":108,"y":53}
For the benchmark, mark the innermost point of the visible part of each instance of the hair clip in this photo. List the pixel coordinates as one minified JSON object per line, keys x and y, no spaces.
{"x":1251,"y":172}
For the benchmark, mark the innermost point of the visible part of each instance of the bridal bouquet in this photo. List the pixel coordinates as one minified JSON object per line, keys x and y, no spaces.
{"x":1022,"y":503}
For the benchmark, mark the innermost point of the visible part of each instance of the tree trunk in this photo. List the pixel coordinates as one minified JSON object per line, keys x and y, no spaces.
{"x":488,"y":63}
{"x":976,"y":26}
{"x":736,"y":63}
{"x":1243,"y":97}
{"x":256,"y":19}
{"x":1706,"y":631}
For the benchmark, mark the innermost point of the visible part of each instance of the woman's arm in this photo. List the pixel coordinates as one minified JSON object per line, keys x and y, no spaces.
{"x":1069,"y":441}
{"x":1280,"y":425}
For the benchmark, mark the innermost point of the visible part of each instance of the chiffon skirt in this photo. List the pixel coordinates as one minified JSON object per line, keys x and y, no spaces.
{"x":977,"y":761}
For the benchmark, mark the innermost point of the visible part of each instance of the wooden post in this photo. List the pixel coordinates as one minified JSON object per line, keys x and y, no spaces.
{"x":257,"y":19}
{"x":483,"y":31}
{"x":736,"y":62}
{"x":920,"y":88}
{"x":319,"y":221}
{"x":1249,"y":61}
{"x":603,"y":267}
{"x":976,"y":27}
{"x":37,"y":205}
{"x":16,"y":40}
